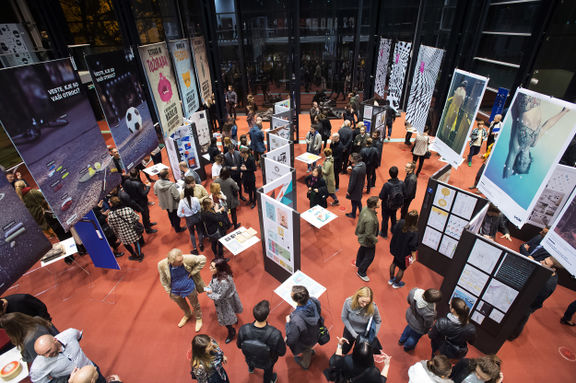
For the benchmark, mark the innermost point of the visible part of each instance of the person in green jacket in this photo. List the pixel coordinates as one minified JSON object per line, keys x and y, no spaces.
{"x":367,"y":233}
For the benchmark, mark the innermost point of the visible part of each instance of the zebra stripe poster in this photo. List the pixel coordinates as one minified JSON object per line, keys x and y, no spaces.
{"x":425,"y":75}
{"x":398,"y":72}
{"x":382,"y":66}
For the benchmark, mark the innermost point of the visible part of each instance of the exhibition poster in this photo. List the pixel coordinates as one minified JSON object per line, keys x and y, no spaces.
{"x":464,"y":98}
{"x":281,"y":186}
{"x":115,"y":77}
{"x":278,"y":232}
{"x":275,"y":141}
{"x":180,"y":52}
{"x":281,"y":128}
{"x":173,"y":158}
{"x":23,"y":242}
{"x":535,"y":133}
{"x":400,"y":60}
{"x":382,"y":66}
{"x":274,"y":169}
{"x":183,"y":147}
{"x":423,"y":82}
{"x":17,"y":47}
{"x":162,"y":85}
{"x":554,"y":196}
{"x":49,"y":119}
{"x":202,"y":128}
{"x":560,"y":241}
{"x":281,"y":155}
{"x":282,"y":106}
{"x":202,"y":67}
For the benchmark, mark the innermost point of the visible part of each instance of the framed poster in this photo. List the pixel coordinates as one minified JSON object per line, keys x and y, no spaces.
{"x":180,"y":51}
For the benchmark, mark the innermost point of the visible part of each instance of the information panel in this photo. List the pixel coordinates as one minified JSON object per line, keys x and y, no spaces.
{"x":180,"y":51}
{"x":202,"y":67}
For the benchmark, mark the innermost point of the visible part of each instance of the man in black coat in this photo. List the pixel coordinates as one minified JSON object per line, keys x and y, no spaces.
{"x":346,"y":138}
{"x":369,"y":155}
{"x":138,"y":193}
{"x":356,"y":184}
{"x":261,"y":343}
{"x":390,"y":117}
{"x":410,"y":184}
{"x":233,"y":160}
{"x":25,"y":304}
{"x":392,"y":196}
{"x":339,"y":154}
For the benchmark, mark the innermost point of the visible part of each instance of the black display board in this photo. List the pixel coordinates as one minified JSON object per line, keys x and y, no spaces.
{"x":497,"y":284}
{"x":375,"y":119}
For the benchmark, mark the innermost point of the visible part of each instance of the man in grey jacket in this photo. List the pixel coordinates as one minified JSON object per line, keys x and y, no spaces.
{"x":168,"y":198}
{"x":367,"y":233}
{"x":420,"y":315}
{"x":313,"y":144}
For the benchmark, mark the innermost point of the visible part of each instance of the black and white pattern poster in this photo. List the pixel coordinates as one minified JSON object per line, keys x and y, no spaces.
{"x":422,"y":89}
{"x":382,"y":67}
{"x":400,"y":60}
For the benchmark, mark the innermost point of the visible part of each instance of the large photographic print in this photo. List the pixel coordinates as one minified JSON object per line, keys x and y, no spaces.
{"x":464,"y":98}
{"x":115,"y":78}
{"x":535,"y":133}
{"x":202,"y":67}
{"x":180,"y":52}
{"x":560,"y":241}
{"x":48,"y":117}
{"x":382,"y":67}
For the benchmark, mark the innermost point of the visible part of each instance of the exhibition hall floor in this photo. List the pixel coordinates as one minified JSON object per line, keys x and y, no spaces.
{"x":129,"y":322}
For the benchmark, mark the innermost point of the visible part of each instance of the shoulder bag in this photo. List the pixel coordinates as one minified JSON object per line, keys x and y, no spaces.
{"x":137,"y":226}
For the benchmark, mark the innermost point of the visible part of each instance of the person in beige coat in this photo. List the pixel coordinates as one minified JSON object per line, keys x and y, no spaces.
{"x":328,"y":173}
{"x":180,"y":277}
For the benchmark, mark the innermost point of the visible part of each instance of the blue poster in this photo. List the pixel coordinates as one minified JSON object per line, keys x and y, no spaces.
{"x":182,"y":60}
{"x":499,"y":102}
{"x":96,"y":244}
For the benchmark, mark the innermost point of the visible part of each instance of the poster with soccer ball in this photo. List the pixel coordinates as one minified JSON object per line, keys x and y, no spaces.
{"x":115,"y":78}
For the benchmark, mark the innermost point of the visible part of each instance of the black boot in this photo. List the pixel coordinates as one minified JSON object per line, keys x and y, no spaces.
{"x":231,"y":334}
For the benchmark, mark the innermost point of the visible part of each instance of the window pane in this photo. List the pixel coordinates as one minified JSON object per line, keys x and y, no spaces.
{"x":500,"y":76}
{"x":517,"y":18}
{"x":502,"y":48}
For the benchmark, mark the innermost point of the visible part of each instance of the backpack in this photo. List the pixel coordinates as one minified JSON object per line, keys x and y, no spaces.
{"x":257,"y":351}
{"x":395,"y":197}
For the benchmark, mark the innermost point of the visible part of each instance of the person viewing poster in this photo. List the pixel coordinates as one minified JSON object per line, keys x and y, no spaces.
{"x":180,"y":52}
{"x":382,"y":66}
{"x":400,"y":60}
{"x":425,"y":75}
{"x":22,"y":242}
{"x":162,"y":85}
{"x":202,"y":67}
{"x":48,"y":117}
{"x":464,"y":98}
{"x":115,"y":77}
{"x":535,"y":133}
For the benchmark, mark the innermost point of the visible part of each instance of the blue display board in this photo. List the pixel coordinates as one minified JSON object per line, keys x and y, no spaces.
{"x":98,"y":248}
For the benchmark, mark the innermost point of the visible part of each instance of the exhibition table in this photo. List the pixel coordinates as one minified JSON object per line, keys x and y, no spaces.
{"x":318,"y":216}
{"x":239,"y":240}
{"x":314,"y":288}
{"x":14,"y":355}
{"x":155,"y":169}
{"x":308,"y":158}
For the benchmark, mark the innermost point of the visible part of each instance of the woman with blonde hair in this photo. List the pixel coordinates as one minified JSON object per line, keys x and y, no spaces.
{"x":207,"y":362}
{"x":360,"y":314}
{"x":217,"y":196}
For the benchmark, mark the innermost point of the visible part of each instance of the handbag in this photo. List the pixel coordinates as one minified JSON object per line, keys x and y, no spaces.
{"x":428,"y":154}
{"x":138,"y":227}
{"x":408,"y":260}
{"x":323,"y":333}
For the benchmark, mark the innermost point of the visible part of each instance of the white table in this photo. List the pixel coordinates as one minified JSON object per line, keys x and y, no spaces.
{"x":308,"y":158}
{"x":70,"y":248}
{"x":155,"y":169}
{"x":232,"y":243}
{"x":315,"y":289}
{"x":317,"y":216}
{"x":10,"y":356}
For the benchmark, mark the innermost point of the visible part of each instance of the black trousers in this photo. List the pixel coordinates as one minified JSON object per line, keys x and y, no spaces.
{"x":388,"y":214}
{"x":405,"y":207}
{"x":238,"y":179}
{"x":174,"y":219}
{"x":146,"y":216}
{"x":420,"y":162}
{"x":364,"y":259}
{"x":370,"y":177}
{"x":337,"y":170}
{"x":356,"y":205}
{"x":234,"y":216}
{"x":231,"y":109}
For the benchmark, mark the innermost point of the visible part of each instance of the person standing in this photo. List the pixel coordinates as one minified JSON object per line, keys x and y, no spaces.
{"x":325,"y":128}
{"x":123,"y":221}
{"x":185,"y":171}
{"x":25,"y":304}
{"x":233,"y":161}
{"x":484,"y":369}
{"x":317,"y":191}
{"x":420,"y":149}
{"x":257,"y":139}
{"x":314,"y":112}
{"x":168,"y":198}
{"x":230,"y":189}
{"x":356,"y":184}
{"x":248,"y":169}
{"x":338,"y":154}
{"x":358,"y":312}
{"x":346,"y":138}
{"x":215,"y":222}
{"x":392,"y":196}
{"x":568,"y":314}
{"x":302,"y":326}
{"x":207,"y":362}
{"x":367,"y":233}
{"x":138,"y":192}
{"x":451,"y":334}
{"x":313,"y":144}
{"x":261,"y":343}
{"x":370,"y":157}
{"x":180,"y":277}
{"x":360,"y":366}
{"x":231,"y":101}
{"x":23,"y":330}
{"x":329,"y":176}
{"x":410,"y":185}
{"x":477,"y":137}
{"x":189,"y":209}
{"x":360,"y":137}
{"x":420,"y":315}
{"x":435,"y":370}
{"x":390,"y":117}
{"x":222,"y":291}
{"x":494,"y":130}
{"x":403,"y":244}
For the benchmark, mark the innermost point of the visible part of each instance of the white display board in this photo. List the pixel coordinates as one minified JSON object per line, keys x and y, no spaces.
{"x":282,"y":106}
{"x":280,"y":155}
{"x":278,"y":232}
{"x":200,"y":121}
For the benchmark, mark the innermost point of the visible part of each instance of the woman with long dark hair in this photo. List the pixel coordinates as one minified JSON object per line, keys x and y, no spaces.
{"x":403,"y":244}
{"x":359,"y":367}
{"x":215,"y":220}
{"x":23,"y":330}
{"x":222,"y":291}
{"x":189,"y":208}
{"x":317,"y":190}
{"x":451,"y":334}
{"x":207,"y":362}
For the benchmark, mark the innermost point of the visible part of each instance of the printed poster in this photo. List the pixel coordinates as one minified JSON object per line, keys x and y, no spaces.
{"x":115,"y":77}
{"x":535,"y":133}
{"x":423,"y":82}
{"x":23,"y":242}
{"x":282,"y":106}
{"x":278,"y":232}
{"x":280,"y":185}
{"x":180,"y":52}
{"x":275,"y":141}
{"x":464,"y":98}
{"x":280,"y":155}
{"x":200,"y":125}
{"x":400,"y":60}
{"x":382,"y":66}
{"x":162,"y":84}
{"x":49,"y":119}
{"x":202,"y":67}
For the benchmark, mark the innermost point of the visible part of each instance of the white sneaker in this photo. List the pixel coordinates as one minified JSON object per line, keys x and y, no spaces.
{"x":364,"y":278}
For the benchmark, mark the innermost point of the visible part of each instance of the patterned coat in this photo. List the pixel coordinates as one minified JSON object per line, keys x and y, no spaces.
{"x":223,"y":293}
{"x":122,"y":221}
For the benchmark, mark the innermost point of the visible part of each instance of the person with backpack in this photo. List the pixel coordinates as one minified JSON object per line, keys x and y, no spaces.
{"x":261,"y":343}
{"x":420,"y":315}
{"x":392,"y":196}
{"x":402,"y":246}
{"x":410,"y":185}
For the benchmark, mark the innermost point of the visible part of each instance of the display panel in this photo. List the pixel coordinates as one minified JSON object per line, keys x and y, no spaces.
{"x":180,"y":51}
{"x":400,"y":60}
{"x":382,"y":66}
{"x":202,"y":67}
{"x":202,"y":129}
{"x":278,"y":232}
{"x":48,"y":117}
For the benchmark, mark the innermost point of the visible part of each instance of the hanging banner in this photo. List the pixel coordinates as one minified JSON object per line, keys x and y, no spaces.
{"x":499,"y":102}
{"x":464,"y":98}
{"x":400,"y":60}
{"x":180,"y":52}
{"x":162,"y":85}
{"x":382,"y":67}
{"x":422,"y":89}
{"x":22,"y":242}
{"x":278,"y":232}
{"x":535,"y":133}
{"x":49,"y":119}
{"x":202,"y":67}
{"x":560,"y":241}
{"x":115,"y":78}
{"x":96,"y":244}
{"x":201,"y":126}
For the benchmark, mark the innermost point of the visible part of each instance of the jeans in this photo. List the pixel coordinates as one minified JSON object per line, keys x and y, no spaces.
{"x":473,"y":151}
{"x":217,"y":248}
{"x":386,"y":213}
{"x":356,"y":205}
{"x":409,"y":338}
{"x":364,"y":259}
{"x":389,"y":126}
{"x":194,"y":227}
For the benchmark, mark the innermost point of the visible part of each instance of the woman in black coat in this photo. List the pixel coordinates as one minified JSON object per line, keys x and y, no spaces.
{"x":317,"y":190}
{"x":216,"y":223}
{"x":325,"y":128}
{"x":451,"y":334}
{"x":248,"y":168}
{"x":403,"y":244}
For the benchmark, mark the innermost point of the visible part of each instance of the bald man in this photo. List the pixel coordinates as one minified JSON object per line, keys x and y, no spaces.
{"x":58,"y":356}
{"x":89,"y":374}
